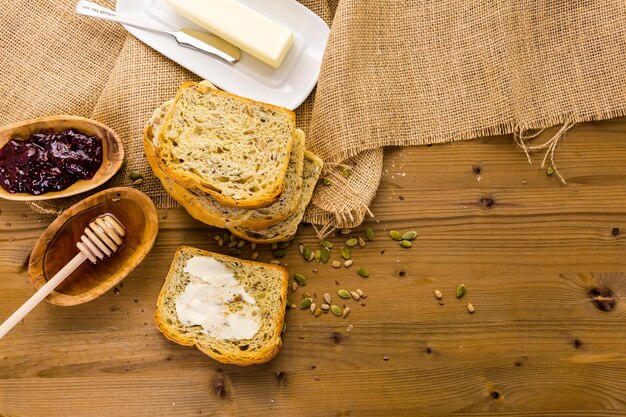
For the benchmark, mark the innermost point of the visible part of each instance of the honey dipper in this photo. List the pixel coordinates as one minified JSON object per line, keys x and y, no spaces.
{"x":103,"y":237}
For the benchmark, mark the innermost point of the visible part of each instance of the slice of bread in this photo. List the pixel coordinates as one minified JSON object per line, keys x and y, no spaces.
{"x":231,"y":147}
{"x":287,"y":204}
{"x":287,"y":229}
{"x":265,"y":283}
{"x":200,"y":205}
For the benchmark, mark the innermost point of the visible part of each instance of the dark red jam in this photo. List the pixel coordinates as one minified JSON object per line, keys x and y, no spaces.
{"x":49,"y":161}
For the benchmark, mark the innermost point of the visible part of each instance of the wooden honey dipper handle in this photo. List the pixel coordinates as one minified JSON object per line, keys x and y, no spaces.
{"x":103,"y":237}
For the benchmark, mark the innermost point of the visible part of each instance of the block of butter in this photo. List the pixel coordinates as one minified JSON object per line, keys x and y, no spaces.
{"x":240,"y":25}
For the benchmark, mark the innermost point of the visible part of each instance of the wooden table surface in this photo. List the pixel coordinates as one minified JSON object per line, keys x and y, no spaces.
{"x":529,"y":250}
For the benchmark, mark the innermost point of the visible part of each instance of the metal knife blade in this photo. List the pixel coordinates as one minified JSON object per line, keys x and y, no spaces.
{"x":208,"y":43}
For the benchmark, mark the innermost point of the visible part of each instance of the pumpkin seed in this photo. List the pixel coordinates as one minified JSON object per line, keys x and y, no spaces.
{"x":395,"y":235}
{"x":274,"y":246}
{"x":460,"y":291}
{"x":325,"y":255}
{"x":306,"y":253}
{"x":346,"y":311}
{"x":406,"y":244}
{"x":327,"y":298}
{"x":318,"y":312}
{"x":234,"y":251}
{"x":325,"y":307}
{"x":346,"y":231}
{"x":343,"y":294}
{"x":326,"y":244}
{"x":336,"y":264}
{"x":254,"y":256}
{"x":355,"y":295}
{"x":345,"y":172}
{"x":369,"y":234}
{"x":279,"y":253}
{"x":325,"y":181}
{"x":135,"y":175}
{"x":348,"y":263}
{"x":300,"y":279}
{"x":312,"y":307}
{"x":438,"y":295}
{"x":241,"y":243}
{"x":470,"y":308}
{"x":352,"y":242}
{"x":409,"y":235}
{"x":361,"y":242}
{"x":306,"y":303}
{"x":318,"y":255}
{"x":363,"y":272}
{"x":345,"y":252}
{"x":336,"y":310}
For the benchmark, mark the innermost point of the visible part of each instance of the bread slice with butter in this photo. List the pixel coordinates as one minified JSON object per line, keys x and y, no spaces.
{"x":200,"y":205}
{"x":233,"y":148}
{"x":287,"y":229}
{"x":230,"y":309}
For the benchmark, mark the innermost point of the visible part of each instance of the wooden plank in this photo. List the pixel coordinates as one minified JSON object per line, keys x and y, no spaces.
{"x":528,"y":249}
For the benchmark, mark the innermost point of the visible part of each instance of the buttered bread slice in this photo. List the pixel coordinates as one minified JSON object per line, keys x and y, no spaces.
{"x":233,"y":148}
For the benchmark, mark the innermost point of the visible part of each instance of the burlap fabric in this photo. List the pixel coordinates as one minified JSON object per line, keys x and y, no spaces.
{"x":395,"y":73}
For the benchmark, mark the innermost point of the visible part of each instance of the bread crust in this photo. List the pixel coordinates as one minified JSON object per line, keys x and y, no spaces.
{"x":268,"y":352}
{"x":188,"y":180}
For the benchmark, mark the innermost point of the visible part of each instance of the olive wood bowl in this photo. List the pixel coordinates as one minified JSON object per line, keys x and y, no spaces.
{"x":57,"y":245}
{"x":112,"y":151}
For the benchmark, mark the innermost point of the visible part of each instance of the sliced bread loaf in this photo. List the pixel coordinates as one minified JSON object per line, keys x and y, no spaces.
{"x":287,"y":229}
{"x":287,"y":204}
{"x":202,"y":206}
{"x":230,"y":309}
{"x":234,"y":148}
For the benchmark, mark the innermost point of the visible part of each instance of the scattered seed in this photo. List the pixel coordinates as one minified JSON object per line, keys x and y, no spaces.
{"x":301,"y":248}
{"x":306,"y":303}
{"x":359,"y":291}
{"x":220,"y":242}
{"x":348,"y":263}
{"x":349,"y":328}
{"x":275,"y":262}
{"x":438,"y":295}
{"x":279,"y":253}
{"x":254,"y":256}
{"x":550,"y":171}
{"x":369,"y":234}
{"x":343,"y":294}
{"x":395,"y":235}
{"x":364,"y":296}
{"x":312,"y":307}
{"x":315,"y":270}
{"x":216,"y":237}
{"x":346,"y":231}
{"x":355,"y":295}
{"x":274,"y":246}
{"x":336,"y":310}
{"x":325,"y":181}
{"x":233,"y":238}
{"x":306,"y":253}
{"x":138,"y":182}
{"x":406,"y":244}
{"x":470,"y":308}
{"x":336,"y":264}
{"x":352,"y":242}
{"x":385,"y":358}
{"x":325,"y":255}
{"x":135,"y":175}
{"x":253,"y":246}
{"x":241,"y":243}
{"x":409,"y":236}
{"x":361,"y":242}
{"x":327,"y":298}
{"x":318,"y":255}
{"x":346,"y":311}
{"x":318,"y":312}
{"x":232,"y":244}
{"x":363,"y":272}
{"x":325,"y":307}
{"x":284,"y":327}
{"x":234,"y":251}
{"x":345,"y":172}
{"x":294,"y":286}
{"x":326,"y":244}
{"x":345,"y":252}
{"x":460,"y":291}
{"x":300,"y":279}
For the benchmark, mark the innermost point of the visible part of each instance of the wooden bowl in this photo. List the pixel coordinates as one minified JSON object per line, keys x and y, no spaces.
{"x":57,"y":246}
{"x":112,"y":155}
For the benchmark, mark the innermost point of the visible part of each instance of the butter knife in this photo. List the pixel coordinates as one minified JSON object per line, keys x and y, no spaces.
{"x":190,"y":38}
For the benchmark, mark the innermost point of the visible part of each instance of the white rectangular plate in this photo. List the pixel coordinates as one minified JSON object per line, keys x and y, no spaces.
{"x":288,"y":86}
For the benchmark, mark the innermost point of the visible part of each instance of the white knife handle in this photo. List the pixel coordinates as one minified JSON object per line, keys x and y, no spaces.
{"x":87,"y":8}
